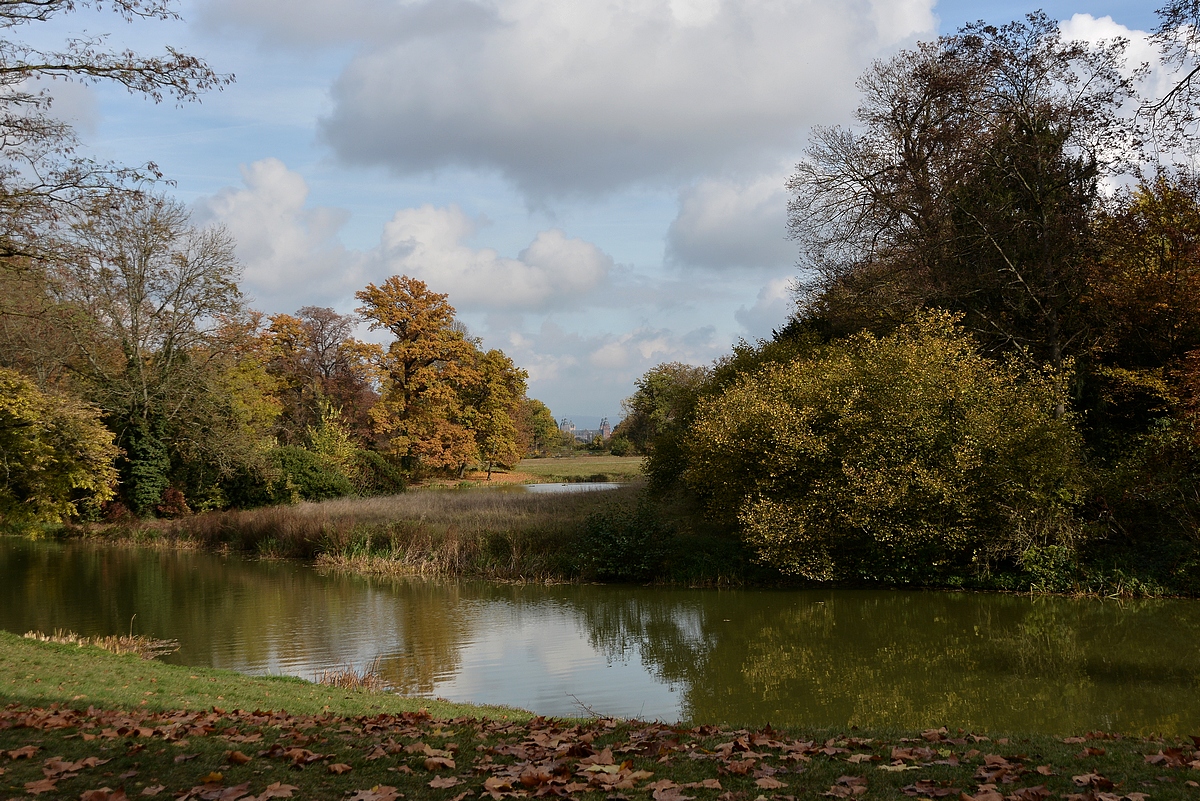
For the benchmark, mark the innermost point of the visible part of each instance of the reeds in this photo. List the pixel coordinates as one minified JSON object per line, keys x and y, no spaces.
{"x":144,"y":646}
{"x":347,"y":678}
{"x":496,"y":533}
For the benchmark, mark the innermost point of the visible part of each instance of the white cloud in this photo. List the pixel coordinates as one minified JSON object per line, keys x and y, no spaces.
{"x":554,"y":271}
{"x":770,"y":311}
{"x":591,"y":95}
{"x":291,"y":253}
{"x":730,"y":223}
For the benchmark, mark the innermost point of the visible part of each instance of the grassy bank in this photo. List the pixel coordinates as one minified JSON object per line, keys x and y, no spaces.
{"x":94,"y":732}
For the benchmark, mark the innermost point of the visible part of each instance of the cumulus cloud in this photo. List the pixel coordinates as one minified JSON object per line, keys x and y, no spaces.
{"x":770,"y":310}
{"x":731,"y":223}
{"x":552,"y":272}
{"x":592,"y":95}
{"x":590,"y":373}
{"x":291,"y":253}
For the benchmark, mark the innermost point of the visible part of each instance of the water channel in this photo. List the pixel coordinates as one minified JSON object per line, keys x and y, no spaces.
{"x":826,"y":658}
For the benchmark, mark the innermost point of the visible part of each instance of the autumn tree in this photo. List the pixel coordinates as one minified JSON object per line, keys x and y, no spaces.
{"x":319,"y":364}
{"x":56,"y":457}
{"x":537,"y":428}
{"x":495,"y":406}
{"x":423,"y":371}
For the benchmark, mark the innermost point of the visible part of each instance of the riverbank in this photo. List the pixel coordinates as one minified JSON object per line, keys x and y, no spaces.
{"x":87,"y":724}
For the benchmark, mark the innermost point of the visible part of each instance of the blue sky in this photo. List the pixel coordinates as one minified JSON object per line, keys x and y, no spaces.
{"x":598,"y":184}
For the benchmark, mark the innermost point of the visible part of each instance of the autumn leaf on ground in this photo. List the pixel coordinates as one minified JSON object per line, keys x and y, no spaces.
{"x":237,"y":757}
{"x":847,"y":787}
{"x":1045,"y":770}
{"x":25,"y":752}
{"x":103,"y":794}
{"x":339,"y":768}
{"x":857,"y":758}
{"x":931,"y":789}
{"x":213,"y":777}
{"x":153,"y":789}
{"x":380,"y":792}
{"x":437,"y":763}
{"x":179,"y":758}
{"x":41,"y":786}
{"x":277,"y":790}
{"x":1030,"y":793}
{"x":1094,"y":780}
{"x":442,"y":782}
{"x":707,"y":784}
{"x":769,"y":783}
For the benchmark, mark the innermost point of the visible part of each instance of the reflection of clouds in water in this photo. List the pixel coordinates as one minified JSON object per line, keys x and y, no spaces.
{"x":537,"y":656}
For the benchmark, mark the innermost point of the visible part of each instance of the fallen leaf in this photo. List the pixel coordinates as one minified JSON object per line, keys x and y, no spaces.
{"x":857,"y":758}
{"x":237,"y":757}
{"x":380,"y":792}
{"x":339,"y":768}
{"x":442,"y":782}
{"x":41,"y":786}
{"x":103,"y":794}
{"x":437,"y":763}
{"x":24,"y":752}
{"x":277,"y":790}
{"x":1045,"y":770}
{"x":769,"y":783}
{"x":184,"y":757}
{"x":153,"y":789}
{"x":213,"y":777}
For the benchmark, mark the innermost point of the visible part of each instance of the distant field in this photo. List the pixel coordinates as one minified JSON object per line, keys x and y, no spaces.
{"x":582,"y":468}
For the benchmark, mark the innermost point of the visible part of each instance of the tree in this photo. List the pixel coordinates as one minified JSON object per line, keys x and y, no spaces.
{"x":536,"y":427}
{"x":41,"y":176}
{"x":902,"y":458}
{"x":56,"y":457}
{"x":969,"y":186}
{"x":145,"y":291}
{"x":423,"y":370}
{"x":663,"y":396}
{"x":495,"y":403}
{"x":319,"y":364}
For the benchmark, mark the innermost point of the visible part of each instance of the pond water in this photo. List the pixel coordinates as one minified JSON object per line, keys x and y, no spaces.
{"x":575,"y":486}
{"x":827,"y":658}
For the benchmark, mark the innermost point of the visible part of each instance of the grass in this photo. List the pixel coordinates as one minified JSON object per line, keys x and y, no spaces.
{"x":494,"y":533}
{"x":37,"y":673}
{"x":582,"y":468}
{"x":371,"y":747}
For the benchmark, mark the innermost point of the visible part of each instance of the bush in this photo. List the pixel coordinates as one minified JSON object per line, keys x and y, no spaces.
{"x":624,"y":544}
{"x":905,"y":459}
{"x":303,"y":475}
{"x":375,"y":475}
{"x":619,"y":446}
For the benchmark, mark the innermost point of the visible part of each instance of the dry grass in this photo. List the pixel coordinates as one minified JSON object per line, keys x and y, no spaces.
{"x":347,"y":678}
{"x":497,"y":533}
{"x":583,"y":468}
{"x":140,"y":644}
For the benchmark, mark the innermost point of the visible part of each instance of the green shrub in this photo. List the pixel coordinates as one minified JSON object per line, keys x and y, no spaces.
{"x":304,"y":475}
{"x":624,"y":544}
{"x":375,"y":475}
{"x":904,"y":459}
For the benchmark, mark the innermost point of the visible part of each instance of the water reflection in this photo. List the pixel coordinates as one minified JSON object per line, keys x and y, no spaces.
{"x":822,"y":658}
{"x":575,"y":486}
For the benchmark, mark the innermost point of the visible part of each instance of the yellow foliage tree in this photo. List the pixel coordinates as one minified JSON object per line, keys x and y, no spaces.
{"x":423,"y":373}
{"x":56,"y":458}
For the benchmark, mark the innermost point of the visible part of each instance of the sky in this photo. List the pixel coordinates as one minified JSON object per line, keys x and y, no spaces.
{"x":598,"y":185}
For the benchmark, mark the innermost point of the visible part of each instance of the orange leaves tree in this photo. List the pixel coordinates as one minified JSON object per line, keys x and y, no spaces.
{"x":424,"y":372}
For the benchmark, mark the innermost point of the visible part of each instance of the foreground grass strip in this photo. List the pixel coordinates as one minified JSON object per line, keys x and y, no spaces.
{"x":220,"y":755}
{"x":42,"y":673}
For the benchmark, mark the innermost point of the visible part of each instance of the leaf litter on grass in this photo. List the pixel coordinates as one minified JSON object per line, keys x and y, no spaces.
{"x":386,"y":757}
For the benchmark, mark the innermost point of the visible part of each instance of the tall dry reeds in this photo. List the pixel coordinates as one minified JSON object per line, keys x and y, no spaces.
{"x":506,"y":534}
{"x":144,"y":646}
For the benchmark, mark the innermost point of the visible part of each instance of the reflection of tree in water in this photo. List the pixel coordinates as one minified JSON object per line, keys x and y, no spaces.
{"x":268,"y":617}
{"x":914,"y":659}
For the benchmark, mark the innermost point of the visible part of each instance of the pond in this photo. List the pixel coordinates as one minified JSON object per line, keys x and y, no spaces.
{"x":824,"y":658}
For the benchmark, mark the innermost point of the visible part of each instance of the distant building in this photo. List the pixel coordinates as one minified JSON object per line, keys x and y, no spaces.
{"x":605,"y":429}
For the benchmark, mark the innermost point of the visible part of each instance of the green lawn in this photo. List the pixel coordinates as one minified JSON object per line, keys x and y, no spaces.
{"x":583,"y":468}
